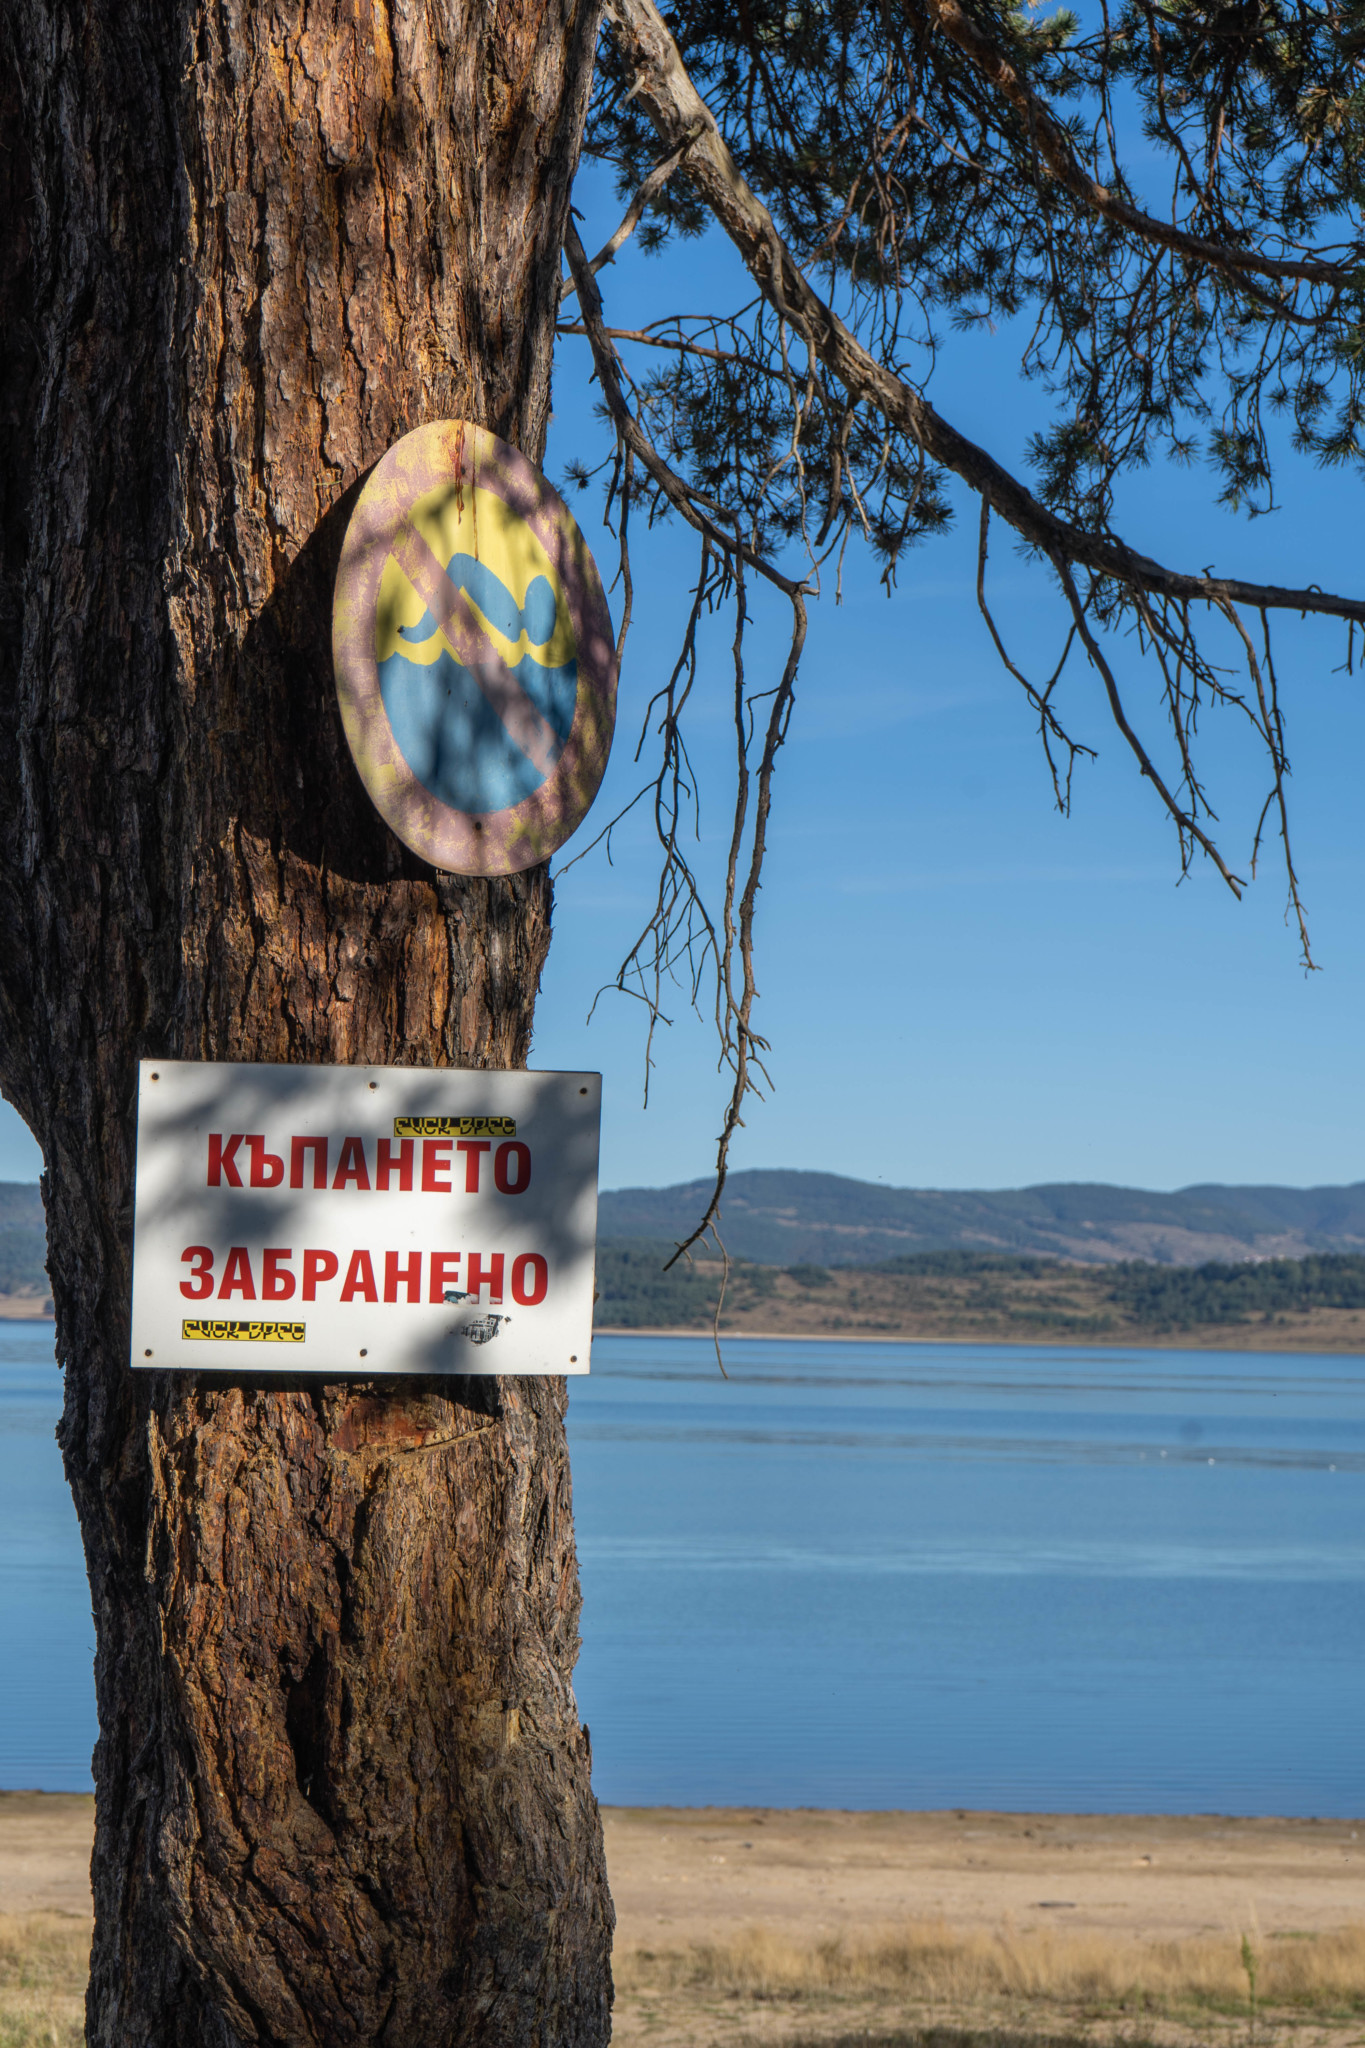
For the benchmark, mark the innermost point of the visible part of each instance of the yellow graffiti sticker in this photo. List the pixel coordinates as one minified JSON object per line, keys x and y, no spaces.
{"x":454,"y":1127}
{"x":242,"y":1333}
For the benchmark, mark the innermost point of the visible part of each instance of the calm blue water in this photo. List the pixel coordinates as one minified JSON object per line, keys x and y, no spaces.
{"x":47,"y":1639}
{"x":891,"y":1575}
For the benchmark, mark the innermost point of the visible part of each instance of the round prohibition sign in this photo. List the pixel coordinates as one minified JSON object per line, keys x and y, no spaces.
{"x":473,"y":650}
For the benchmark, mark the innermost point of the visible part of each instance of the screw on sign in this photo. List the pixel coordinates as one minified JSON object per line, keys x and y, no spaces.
{"x":474,"y":657}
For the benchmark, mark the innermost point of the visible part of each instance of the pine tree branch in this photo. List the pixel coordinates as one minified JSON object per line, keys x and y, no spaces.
{"x":1053,"y":144}
{"x":661,"y":85}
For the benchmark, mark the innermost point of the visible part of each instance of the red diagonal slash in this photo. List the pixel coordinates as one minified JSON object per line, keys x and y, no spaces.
{"x":455,"y":615}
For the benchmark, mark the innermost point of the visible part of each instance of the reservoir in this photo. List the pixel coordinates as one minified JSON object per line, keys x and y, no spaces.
{"x":889,"y":1575}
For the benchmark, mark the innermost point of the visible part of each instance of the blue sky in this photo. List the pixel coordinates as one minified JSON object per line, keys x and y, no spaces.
{"x":961,"y":988}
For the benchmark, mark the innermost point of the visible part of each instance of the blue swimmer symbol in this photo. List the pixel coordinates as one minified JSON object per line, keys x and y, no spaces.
{"x":442,"y":722}
{"x":536,"y":618}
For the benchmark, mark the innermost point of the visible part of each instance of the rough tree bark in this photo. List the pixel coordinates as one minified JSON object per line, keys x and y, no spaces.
{"x":343,"y":1795}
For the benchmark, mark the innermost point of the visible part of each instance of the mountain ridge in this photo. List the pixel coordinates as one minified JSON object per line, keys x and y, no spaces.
{"x":784,"y":1217}
{"x":778,"y":1216}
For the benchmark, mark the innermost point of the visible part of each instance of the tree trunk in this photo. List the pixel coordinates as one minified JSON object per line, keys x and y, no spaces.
{"x":342,"y":1791}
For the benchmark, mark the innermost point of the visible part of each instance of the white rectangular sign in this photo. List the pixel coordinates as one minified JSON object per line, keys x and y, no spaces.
{"x":364,"y":1219}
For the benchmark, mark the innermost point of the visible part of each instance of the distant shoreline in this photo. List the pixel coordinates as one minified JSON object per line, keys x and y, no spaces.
{"x":25,"y":1308}
{"x":1231,"y":1337}
{"x":1224,"y":1337}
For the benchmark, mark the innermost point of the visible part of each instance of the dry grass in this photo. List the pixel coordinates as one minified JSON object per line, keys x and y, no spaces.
{"x":957,"y":2037}
{"x":44,"y":1959}
{"x":44,"y":1962}
{"x":935,"y":1966}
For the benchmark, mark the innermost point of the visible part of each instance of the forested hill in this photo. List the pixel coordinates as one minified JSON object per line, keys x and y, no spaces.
{"x":784,"y":1218}
{"x":1311,"y":1304}
{"x":787,"y":1219}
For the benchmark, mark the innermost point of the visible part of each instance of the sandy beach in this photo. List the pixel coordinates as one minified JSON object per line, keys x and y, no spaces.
{"x":26,"y":1308}
{"x":699,"y":1871}
{"x":45,"y":1842}
{"x":749,"y":1925}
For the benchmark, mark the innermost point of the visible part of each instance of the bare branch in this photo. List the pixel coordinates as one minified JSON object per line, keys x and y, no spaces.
{"x":641,"y":334}
{"x":649,"y":189}
{"x":1050,"y":727}
{"x":736,"y":992}
{"x":1273,"y":728}
{"x":746,"y":1043}
{"x":683,"y":500}
{"x":1186,"y":823}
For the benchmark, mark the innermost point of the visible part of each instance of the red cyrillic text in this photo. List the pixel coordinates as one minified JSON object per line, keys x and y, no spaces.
{"x":435,"y":1159}
{"x":277,"y":1282}
{"x":512,"y":1168}
{"x":267,"y":1168}
{"x":297,"y":1148}
{"x":473,"y":1149}
{"x":359,"y":1279}
{"x":402,"y":1275}
{"x":318,"y":1266}
{"x":351,"y":1167}
{"x":476,"y":1274}
{"x":391,"y":1160}
{"x":530,"y":1279}
{"x":445,"y":1272}
{"x":199,"y":1258}
{"x":410,"y":1275}
{"x":223,"y":1160}
{"x":237,"y":1276}
{"x":393,"y":1166}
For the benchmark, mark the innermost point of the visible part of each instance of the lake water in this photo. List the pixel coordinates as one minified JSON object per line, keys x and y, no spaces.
{"x":878,"y":1575}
